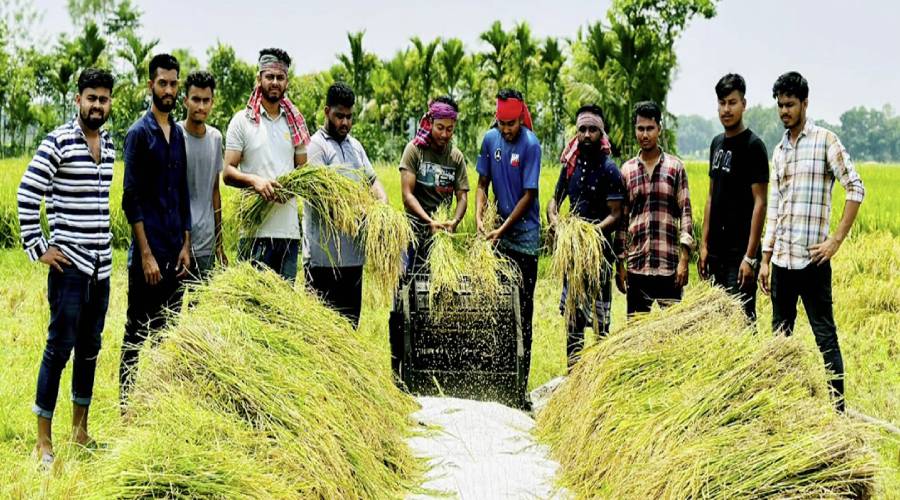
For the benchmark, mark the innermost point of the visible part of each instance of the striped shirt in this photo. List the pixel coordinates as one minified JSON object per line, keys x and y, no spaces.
{"x":75,"y":190}
{"x":659,"y":215}
{"x":799,"y":209}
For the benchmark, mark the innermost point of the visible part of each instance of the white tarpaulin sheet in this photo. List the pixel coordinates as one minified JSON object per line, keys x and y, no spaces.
{"x":481,"y":450}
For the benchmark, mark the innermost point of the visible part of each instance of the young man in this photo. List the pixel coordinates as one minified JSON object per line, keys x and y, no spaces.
{"x":264,"y":141}
{"x":432,"y":171}
{"x":736,"y":205}
{"x":203,"y":146}
{"x":592,"y":182}
{"x":510,"y":163}
{"x":797,"y":248}
{"x":334,"y":269}
{"x":157,"y":205}
{"x":659,"y":224}
{"x":78,"y":252}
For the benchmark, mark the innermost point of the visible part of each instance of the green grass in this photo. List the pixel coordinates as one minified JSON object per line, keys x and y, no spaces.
{"x":867,"y":308}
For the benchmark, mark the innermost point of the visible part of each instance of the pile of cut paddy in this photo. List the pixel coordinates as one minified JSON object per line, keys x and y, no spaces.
{"x":261,"y":391}
{"x":690,"y":403}
{"x":579,"y":261}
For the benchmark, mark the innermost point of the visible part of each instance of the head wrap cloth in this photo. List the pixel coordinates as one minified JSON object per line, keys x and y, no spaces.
{"x":296,"y":123}
{"x":511,"y":109}
{"x":436,"y":111}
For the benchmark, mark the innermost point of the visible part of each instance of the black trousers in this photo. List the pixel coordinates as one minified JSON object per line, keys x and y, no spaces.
{"x":812,"y":285}
{"x":339,"y":287}
{"x":148,"y":312}
{"x":528,"y":266}
{"x":724,"y":272}
{"x":644,"y":290}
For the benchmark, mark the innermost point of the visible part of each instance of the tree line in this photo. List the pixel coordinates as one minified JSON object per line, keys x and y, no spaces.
{"x":868,"y":134}
{"x":626,"y":58}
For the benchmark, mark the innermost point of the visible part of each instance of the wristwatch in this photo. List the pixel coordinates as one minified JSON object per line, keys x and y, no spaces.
{"x":752,"y":262}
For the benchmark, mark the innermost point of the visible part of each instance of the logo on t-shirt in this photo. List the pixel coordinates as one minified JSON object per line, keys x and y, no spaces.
{"x":514,"y":160}
{"x":722,"y":161}
{"x":497,"y":154}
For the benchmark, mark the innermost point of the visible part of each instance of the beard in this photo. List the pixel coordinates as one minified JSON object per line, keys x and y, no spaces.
{"x":92,"y":122}
{"x":161,"y":105}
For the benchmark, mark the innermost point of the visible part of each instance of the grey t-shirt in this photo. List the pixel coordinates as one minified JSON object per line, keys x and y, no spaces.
{"x":204,"y":164}
{"x":348,"y":154}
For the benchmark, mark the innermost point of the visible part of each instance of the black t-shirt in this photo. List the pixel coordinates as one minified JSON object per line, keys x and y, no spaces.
{"x":735,"y":163}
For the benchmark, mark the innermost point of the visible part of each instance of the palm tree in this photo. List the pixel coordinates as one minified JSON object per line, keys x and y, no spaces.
{"x":552,"y":60}
{"x":425,"y":63}
{"x":499,"y":40}
{"x":525,"y":51}
{"x":137,"y":53}
{"x":359,"y":65}
{"x":450,"y":59}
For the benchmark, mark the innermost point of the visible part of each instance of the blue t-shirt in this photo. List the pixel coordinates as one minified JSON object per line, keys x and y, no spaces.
{"x":512,"y":168}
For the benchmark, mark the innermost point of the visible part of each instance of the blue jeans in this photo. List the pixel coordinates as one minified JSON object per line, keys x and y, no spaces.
{"x":278,"y":254}
{"x":78,"y":305}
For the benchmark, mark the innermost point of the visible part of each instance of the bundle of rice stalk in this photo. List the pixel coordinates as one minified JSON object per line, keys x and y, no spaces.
{"x":337,"y":194}
{"x":579,"y":262}
{"x":488,"y":269}
{"x":447,"y":266}
{"x":388,"y":234}
{"x":299,"y":396}
{"x":688,"y":402}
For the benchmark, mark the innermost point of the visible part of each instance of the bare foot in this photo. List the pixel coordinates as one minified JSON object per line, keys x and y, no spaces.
{"x":43,"y":453}
{"x":81,"y":437}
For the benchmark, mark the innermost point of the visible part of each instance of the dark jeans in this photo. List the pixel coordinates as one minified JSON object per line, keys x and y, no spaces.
{"x":202,"y":266}
{"x":584,"y":317}
{"x":278,"y":254}
{"x":339,"y":287}
{"x":724,"y":272}
{"x":528,"y":266}
{"x":417,"y":255}
{"x":644,"y":290}
{"x":811,"y":284}
{"x":78,"y":305}
{"x":147,"y":314}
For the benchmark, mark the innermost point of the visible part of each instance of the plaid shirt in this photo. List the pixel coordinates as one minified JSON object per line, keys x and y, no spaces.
{"x":659,"y":215}
{"x":799,"y":210}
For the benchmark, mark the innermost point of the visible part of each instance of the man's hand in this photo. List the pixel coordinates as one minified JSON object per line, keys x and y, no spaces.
{"x":452,"y":225}
{"x":681,"y":273}
{"x":621,"y":277}
{"x":764,"y":277}
{"x":494,"y":235}
{"x":437,"y":226}
{"x":221,"y":258}
{"x":745,"y":275}
{"x":184,"y":262}
{"x":54,"y":258}
{"x":823,"y":252}
{"x":265,"y":187}
{"x":703,"y":264}
{"x":152,"y":276}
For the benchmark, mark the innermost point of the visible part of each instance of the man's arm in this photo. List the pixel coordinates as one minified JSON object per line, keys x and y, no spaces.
{"x":378,"y":191}
{"x":687,"y":229}
{"x":518,"y":212}
{"x":481,"y":198}
{"x":556,"y":201}
{"x":768,"y":241}
{"x":217,"y":212}
{"x":35,"y":185}
{"x":839,"y":163}
{"x":462,"y":203}
{"x":704,"y":239}
{"x":746,"y":274}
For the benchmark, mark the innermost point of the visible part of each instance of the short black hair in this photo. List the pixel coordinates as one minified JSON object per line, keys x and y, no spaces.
{"x":95,"y":78}
{"x":647,"y":109}
{"x":729,"y":83}
{"x":593,"y":109}
{"x":278,"y":53}
{"x":509,"y":94}
{"x":791,"y":84}
{"x":448,"y":101}
{"x":164,"y":61}
{"x":340,"y":94}
{"x":201,"y":80}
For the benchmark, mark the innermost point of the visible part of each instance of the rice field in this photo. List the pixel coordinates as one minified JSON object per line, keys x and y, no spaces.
{"x":866,"y":294}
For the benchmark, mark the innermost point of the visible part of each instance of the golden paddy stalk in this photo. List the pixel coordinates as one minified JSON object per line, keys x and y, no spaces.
{"x":579,"y":261}
{"x":387,"y":233}
{"x":690,"y":403}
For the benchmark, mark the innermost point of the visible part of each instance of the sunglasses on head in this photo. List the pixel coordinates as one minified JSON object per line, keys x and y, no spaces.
{"x":585,"y":128}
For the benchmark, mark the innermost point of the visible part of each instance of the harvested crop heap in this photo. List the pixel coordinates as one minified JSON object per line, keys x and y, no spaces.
{"x":261,"y":391}
{"x":461,"y":262}
{"x":689,"y":403}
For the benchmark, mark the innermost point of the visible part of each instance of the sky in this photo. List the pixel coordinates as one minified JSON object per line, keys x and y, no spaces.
{"x":848,"y":53}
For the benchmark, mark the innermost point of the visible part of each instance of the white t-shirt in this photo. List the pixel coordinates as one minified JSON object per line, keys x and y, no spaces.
{"x":267,"y":151}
